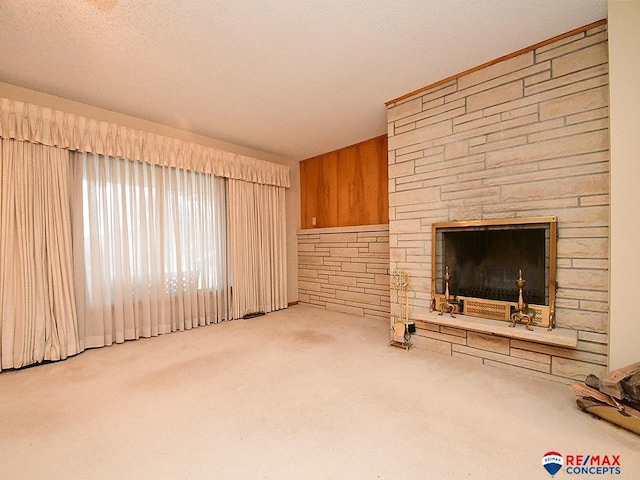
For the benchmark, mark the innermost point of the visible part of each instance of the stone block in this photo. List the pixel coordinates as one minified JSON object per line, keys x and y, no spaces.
{"x":568,"y":45}
{"x":456,"y":149}
{"x":307,"y":273}
{"x":601,"y":124}
{"x":344,"y":281}
{"x":473,"y":126}
{"x":420,"y":325}
{"x":574,"y":82}
{"x":303,"y":297}
{"x":412,"y":197}
{"x":529,"y":355}
{"x":492,"y":343}
{"x":559,"y":352}
{"x":599,"y":200}
{"x":554,"y":148}
{"x":576,"y":369}
{"x":496,"y":70}
{"x":580,"y":60}
{"x":581,"y":217}
{"x":383,"y":280}
{"x":501,"y":94}
{"x":596,"y":348}
{"x":309,"y":286}
{"x":445,"y":337}
{"x":309,"y":260}
{"x":583,"y":279}
{"x":468,"y":117}
{"x":438,"y":114}
{"x":458,"y":332}
{"x":497,"y":357}
{"x":401,"y":169}
{"x":344,"y":252}
{"x":602,"y":307}
{"x":379,"y":247}
{"x":537,"y":78}
{"x":421,"y":135}
{"x":583,"y":247}
{"x":402,"y":110}
{"x":339,"y":238}
{"x":601,"y":338}
{"x":554,"y":188}
{"x":525,"y":111}
{"x":533,"y":96}
{"x":472,"y":212}
{"x":306,"y":247}
{"x":593,"y":99}
{"x":441,"y":91}
{"x":363,"y":298}
{"x":588,"y":115}
{"x":432,"y":345}
{"x":531,"y":127}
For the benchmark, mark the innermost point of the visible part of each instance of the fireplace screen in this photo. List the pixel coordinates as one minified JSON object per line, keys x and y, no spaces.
{"x":482,"y":261}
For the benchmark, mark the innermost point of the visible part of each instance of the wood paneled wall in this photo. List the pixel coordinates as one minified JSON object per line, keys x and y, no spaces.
{"x":346,"y":187}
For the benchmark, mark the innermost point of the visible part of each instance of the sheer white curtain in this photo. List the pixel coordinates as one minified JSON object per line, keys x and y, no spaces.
{"x":150,"y":249}
{"x":257,"y":224}
{"x":37,"y":305}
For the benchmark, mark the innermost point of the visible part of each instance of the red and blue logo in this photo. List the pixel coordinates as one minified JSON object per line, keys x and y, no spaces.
{"x":552,"y":462}
{"x":582,"y":464}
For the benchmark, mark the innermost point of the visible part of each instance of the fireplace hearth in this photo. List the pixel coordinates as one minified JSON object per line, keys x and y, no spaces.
{"x":485,"y":259}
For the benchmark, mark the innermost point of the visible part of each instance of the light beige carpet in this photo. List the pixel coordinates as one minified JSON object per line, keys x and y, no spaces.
{"x":297,"y":394}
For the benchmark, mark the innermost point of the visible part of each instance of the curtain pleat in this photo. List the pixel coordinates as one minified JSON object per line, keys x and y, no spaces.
{"x":37,"y":303}
{"x":151,"y":254}
{"x":258,"y":247}
{"x":37,"y":124}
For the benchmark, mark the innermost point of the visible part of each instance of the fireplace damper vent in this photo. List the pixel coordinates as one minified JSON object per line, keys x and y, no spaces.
{"x":484,"y":259}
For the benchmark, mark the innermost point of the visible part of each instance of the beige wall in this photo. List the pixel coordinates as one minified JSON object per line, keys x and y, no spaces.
{"x":292,"y":195}
{"x":624,"y":52}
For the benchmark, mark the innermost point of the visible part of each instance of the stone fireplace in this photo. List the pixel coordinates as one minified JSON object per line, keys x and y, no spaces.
{"x":525,"y":137}
{"x":482,"y":261}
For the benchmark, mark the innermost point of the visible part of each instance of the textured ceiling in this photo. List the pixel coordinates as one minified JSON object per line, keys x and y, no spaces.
{"x":295,"y":78}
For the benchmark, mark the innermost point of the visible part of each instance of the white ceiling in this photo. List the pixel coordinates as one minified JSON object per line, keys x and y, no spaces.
{"x":296,"y":78}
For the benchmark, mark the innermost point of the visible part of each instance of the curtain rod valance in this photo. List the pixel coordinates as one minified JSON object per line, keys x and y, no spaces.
{"x":46,"y":126}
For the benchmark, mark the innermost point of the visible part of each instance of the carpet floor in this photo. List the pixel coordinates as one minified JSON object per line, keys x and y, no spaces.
{"x":297,"y":394}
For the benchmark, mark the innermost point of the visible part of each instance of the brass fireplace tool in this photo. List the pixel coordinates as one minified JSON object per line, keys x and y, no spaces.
{"x":448,"y":305}
{"x":401,"y":326}
{"x":523,"y":313}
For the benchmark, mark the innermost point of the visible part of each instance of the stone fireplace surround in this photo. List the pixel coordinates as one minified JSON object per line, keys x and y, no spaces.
{"x":524,"y":137}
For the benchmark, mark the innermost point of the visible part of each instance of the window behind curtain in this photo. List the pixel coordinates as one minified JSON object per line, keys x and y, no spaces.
{"x":154,"y":242}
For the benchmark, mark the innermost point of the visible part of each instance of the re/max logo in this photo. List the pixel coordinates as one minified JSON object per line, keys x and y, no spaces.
{"x":592,"y":460}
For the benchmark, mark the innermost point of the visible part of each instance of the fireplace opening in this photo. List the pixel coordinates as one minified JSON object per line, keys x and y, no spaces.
{"x":483,"y":260}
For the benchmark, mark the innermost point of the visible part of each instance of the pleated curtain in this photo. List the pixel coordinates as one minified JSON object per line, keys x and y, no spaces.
{"x":257,"y":232}
{"x":150,"y":249}
{"x":37,"y":303}
{"x":109,"y":233}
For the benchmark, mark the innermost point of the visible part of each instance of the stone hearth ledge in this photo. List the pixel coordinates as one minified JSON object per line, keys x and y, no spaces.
{"x":561,"y":337}
{"x":384,"y":227}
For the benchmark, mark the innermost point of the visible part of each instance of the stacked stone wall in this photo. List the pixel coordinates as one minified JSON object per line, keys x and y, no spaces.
{"x":525,"y":137}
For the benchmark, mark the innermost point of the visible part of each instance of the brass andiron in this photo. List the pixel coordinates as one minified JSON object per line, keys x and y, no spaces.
{"x":522,"y":310}
{"x":448,"y":305}
{"x":552,"y":317}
